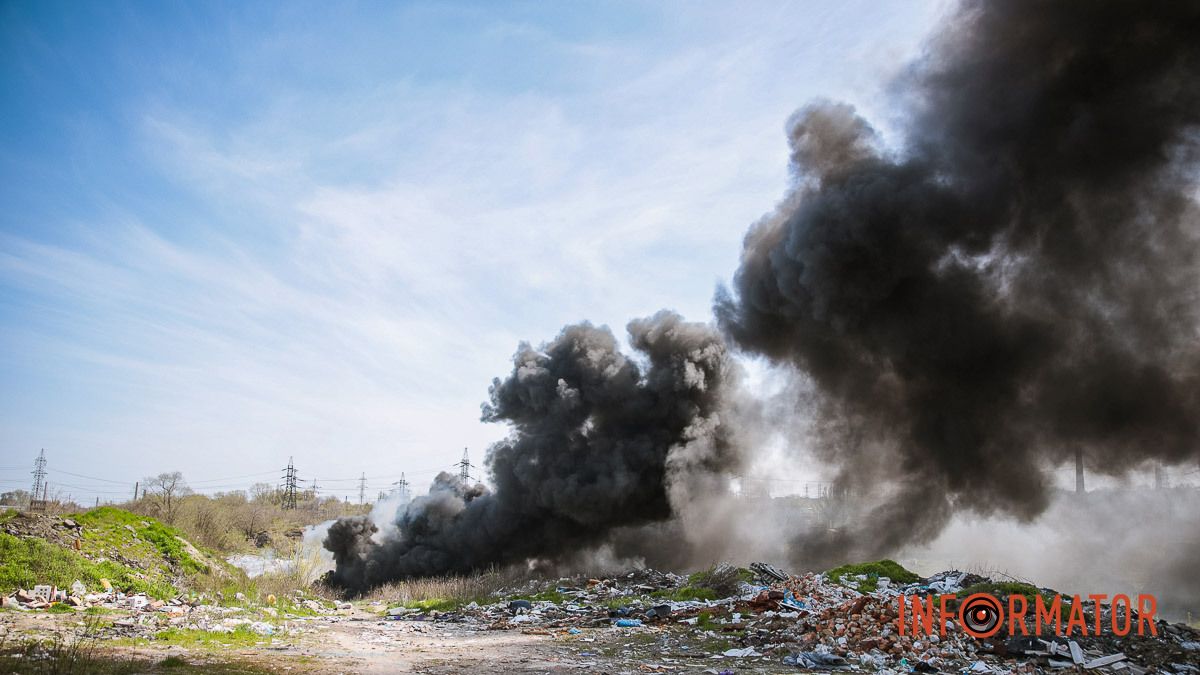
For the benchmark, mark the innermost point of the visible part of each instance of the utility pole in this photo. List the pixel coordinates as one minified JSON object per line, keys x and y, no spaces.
{"x":464,"y":467}
{"x":39,"y":483}
{"x":289,"y":486}
{"x":362,"y":488}
{"x":136,"y":484}
{"x":1079,"y":470}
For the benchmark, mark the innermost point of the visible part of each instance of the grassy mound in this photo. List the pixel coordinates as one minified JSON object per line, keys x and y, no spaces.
{"x":1003,"y":589}
{"x":27,"y":562}
{"x":846,"y":574}
{"x":108,"y":527}
{"x":137,"y":554}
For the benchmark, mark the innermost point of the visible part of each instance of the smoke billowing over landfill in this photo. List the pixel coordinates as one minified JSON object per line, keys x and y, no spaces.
{"x":597,"y":437}
{"x":1011,"y":282}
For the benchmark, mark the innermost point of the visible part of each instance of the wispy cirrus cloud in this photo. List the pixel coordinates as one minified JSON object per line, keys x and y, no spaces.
{"x":336,"y":272}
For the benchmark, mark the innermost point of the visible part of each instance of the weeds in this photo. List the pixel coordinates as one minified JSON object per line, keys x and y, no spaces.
{"x":685,"y":593}
{"x":26,"y":562}
{"x":453,"y":591}
{"x":846,"y":574}
{"x":65,"y":654}
{"x":1003,"y":589}
{"x":724,"y":580}
{"x":241,"y":636}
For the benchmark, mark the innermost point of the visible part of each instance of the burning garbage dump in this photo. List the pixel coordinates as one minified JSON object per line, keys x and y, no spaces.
{"x":598,"y":442}
{"x":1013,"y":284}
{"x":848,"y":619}
{"x":1007,"y":287}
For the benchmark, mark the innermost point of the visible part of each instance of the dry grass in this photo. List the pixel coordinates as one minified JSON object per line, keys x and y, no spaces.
{"x":451,"y":590}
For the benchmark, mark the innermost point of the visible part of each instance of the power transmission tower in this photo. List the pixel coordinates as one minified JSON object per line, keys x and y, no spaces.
{"x":401,"y":487}
{"x":40,"y":485}
{"x":289,"y":486}
{"x":465,"y":466}
{"x":362,"y":488}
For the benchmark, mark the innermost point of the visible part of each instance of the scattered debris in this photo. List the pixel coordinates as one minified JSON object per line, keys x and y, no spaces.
{"x":809,"y":622}
{"x":813,"y":622}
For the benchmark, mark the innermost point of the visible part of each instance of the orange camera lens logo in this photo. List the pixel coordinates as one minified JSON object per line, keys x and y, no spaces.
{"x":980,"y":615}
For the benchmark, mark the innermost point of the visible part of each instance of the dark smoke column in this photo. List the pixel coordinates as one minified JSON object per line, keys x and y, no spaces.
{"x":597,"y":440}
{"x":1017,"y":281}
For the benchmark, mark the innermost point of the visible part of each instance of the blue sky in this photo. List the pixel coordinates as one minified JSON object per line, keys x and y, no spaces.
{"x":234,"y":232}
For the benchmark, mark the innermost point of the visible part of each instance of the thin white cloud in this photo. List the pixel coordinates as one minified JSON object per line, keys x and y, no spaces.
{"x":375,"y":255}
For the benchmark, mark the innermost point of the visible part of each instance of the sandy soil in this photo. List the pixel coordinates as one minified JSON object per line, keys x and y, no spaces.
{"x":360,"y":642}
{"x":366,"y":645}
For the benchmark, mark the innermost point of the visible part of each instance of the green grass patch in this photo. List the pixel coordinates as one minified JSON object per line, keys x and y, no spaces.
{"x":27,"y":562}
{"x":288,"y":606}
{"x":60,"y":608}
{"x":620,"y":603}
{"x":433,"y":604}
{"x":112,"y":526}
{"x":242,"y":636}
{"x":90,"y":657}
{"x":685,"y":593}
{"x":846,"y":574}
{"x":1003,"y":589}
{"x":700,"y":578}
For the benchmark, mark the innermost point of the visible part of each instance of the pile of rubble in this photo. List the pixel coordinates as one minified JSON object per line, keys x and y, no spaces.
{"x":146,"y":615}
{"x":813,"y":622}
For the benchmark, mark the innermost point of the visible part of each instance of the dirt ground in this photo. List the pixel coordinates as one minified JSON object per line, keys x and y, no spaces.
{"x":362,"y":643}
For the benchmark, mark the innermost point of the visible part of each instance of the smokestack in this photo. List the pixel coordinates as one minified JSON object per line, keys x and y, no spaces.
{"x":1079,"y":471}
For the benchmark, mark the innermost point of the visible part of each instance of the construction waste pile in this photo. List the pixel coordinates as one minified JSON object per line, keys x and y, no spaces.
{"x":814,"y":622}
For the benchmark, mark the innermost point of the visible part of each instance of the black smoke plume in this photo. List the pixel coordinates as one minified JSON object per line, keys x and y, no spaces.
{"x":599,"y":441}
{"x":1016,"y":281}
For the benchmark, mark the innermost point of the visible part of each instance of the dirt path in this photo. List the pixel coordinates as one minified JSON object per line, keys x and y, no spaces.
{"x":362,"y":643}
{"x":368,"y":646}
